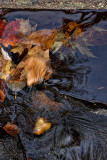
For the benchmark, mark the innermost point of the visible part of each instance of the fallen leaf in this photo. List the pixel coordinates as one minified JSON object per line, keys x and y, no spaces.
{"x":1,"y":65}
{"x":37,"y":50}
{"x":36,"y":69}
{"x":40,"y":100}
{"x":2,"y":26}
{"x":43,"y":38}
{"x":2,"y":90}
{"x":16,"y":31}
{"x":5,"y":55}
{"x":11,"y":128}
{"x":72,"y":28}
{"x":19,"y":48}
{"x":41,"y":126}
{"x":5,"y":72}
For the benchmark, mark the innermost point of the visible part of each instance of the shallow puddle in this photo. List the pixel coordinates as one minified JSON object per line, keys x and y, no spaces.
{"x":73,"y":100}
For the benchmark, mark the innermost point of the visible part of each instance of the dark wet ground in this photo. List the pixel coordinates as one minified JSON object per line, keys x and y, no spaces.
{"x":79,"y":126}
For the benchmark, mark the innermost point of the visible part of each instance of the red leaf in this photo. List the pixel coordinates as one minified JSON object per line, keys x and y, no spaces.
{"x":10,"y":36}
{"x":2,"y":26}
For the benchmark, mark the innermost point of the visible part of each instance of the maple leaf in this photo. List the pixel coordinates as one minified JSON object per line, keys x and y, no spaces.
{"x":15,"y":31}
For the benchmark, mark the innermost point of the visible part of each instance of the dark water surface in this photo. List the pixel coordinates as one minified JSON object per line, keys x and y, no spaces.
{"x":79,"y":126}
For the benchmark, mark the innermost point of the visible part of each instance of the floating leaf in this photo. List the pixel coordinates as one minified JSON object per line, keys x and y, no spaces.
{"x":11,"y":128}
{"x":41,"y":126}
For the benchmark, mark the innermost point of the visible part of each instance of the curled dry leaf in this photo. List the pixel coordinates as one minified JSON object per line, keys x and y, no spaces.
{"x":41,"y":126}
{"x":2,"y":90}
{"x":11,"y":128}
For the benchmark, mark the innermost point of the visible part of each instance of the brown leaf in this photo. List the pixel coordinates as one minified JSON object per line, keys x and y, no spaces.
{"x":43,"y":38}
{"x":40,"y":99}
{"x":11,"y":128}
{"x":1,"y":65}
{"x":19,"y":48}
{"x":36,"y":68}
{"x":37,"y":50}
{"x":2,"y":90}
{"x":4,"y":74}
{"x":41,"y":126}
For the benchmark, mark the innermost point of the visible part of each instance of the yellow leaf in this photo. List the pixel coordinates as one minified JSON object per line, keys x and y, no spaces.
{"x":41,"y":126}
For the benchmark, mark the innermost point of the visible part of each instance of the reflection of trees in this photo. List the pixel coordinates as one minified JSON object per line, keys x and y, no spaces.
{"x":85,"y":15}
{"x":75,"y":74}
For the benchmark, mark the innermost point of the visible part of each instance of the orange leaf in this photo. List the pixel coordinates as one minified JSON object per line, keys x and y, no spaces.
{"x":36,"y":68}
{"x":2,"y":91}
{"x":11,"y":128}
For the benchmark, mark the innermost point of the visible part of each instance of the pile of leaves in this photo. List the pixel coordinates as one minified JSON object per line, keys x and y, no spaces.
{"x":25,"y":53}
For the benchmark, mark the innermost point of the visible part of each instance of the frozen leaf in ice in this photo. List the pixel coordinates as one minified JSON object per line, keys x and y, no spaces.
{"x":41,"y":126}
{"x":11,"y":128}
{"x":36,"y":68}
